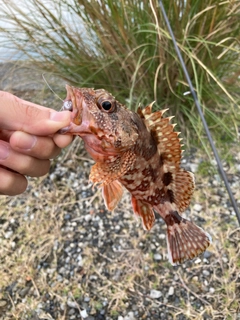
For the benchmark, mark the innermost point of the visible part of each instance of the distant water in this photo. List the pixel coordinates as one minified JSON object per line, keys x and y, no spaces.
{"x":8,"y":52}
{"x":7,"y":55}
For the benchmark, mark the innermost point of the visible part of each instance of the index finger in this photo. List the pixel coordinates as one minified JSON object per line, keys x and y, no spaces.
{"x":17,"y":114}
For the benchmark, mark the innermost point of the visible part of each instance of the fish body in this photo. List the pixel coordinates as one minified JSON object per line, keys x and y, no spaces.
{"x":141,"y":152}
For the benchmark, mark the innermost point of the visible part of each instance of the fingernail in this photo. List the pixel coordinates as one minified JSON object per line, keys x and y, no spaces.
{"x":4,"y":152}
{"x":26,"y":141}
{"x":59,"y":116}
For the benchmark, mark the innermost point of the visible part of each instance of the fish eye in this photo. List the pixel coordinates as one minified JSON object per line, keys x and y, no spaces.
{"x":106,"y":105}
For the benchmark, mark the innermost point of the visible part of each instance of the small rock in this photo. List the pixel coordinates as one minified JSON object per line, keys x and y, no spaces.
{"x":162,"y":236}
{"x":13,"y":245}
{"x":67,"y":217}
{"x":72,"y":304}
{"x":171,"y":291}
{"x":207,"y":254}
{"x":88,"y":217}
{"x":8,"y":234}
{"x":71,"y":312}
{"x":211,"y":290}
{"x":155,"y":294}
{"x":84,"y":313}
{"x":157,"y":257}
{"x":129,"y":316}
{"x":197,"y":207}
{"x":86,"y":299}
{"x":24,"y":291}
{"x":3,"y":303}
{"x":206,"y":273}
{"x":225,"y":259}
{"x":197,"y":261}
{"x":193,"y":167}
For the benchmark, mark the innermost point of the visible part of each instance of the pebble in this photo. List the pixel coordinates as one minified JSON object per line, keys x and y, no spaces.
{"x":13,"y":245}
{"x":84,"y":313}
{"x":225,"y":259}
{"x":8,"y":234}
{"x":129,"y":316}
{"x":197,"y":207}
{"x":211,"y":290}
{"x":193,"y":167}
{"x":198,"y":260}
{"x":86,"y":299}
{"x":155,"y":294}
{"x":207,"y":254}
{"x":206,"y":273}
{"x":157,"y":257}
{"x":171,"y":291}
{"x":3,"y":303}
{"x":72,"y":304}
{"x":88,"y":217}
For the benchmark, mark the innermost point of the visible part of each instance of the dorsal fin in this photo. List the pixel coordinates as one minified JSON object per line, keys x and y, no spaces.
{"x":168,"y":142}
{"x":169,"y":148}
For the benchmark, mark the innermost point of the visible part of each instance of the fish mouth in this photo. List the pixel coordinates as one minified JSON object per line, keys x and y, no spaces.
{"x":74,"y":103}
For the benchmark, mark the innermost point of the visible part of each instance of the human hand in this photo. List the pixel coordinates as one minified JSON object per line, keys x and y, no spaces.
{"x":28,"y":140}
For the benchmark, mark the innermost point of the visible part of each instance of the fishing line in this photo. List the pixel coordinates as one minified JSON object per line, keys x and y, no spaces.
{"x":51,"y":88}
{"x":219,"y":163}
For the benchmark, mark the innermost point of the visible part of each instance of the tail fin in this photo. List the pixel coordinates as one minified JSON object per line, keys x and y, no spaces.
{"x":185,"y":240}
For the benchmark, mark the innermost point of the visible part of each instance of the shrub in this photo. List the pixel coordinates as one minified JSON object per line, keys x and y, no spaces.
{"x":124,"y":47}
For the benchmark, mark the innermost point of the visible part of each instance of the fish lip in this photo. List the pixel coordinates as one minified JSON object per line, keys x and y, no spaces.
{"x":70,"y":95}
{"x":76,"y":112}
{"x":75,"y":129}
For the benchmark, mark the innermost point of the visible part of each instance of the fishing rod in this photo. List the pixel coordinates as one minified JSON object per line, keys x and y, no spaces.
{"x":219,"y":163}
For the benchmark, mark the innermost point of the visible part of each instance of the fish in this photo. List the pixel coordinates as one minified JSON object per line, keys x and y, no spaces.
{"x":141,"y":152}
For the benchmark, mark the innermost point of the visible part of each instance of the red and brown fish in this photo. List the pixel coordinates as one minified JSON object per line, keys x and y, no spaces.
{"x":141,"y":152}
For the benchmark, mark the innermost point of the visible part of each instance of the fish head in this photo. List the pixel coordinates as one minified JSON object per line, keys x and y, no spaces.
{"x":106,"y":126}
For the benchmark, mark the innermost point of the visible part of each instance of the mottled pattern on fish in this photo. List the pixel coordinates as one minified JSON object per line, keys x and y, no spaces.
{"x":141,"y":152}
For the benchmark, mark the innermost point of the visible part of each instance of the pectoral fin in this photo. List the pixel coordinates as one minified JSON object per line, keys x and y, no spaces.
{"x":145,"y":211}
{"x":112,"y":168}
{"x":112,"y":194}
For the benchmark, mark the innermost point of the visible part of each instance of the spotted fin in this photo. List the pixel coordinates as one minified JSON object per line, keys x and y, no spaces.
{"x":179,"y":181}
{"x":113,"y":168}
{"x":182,"y":188}
{"x":145,"y":211}
{"x":112,"y":194}
{"x":185,"y":240}
{"x":169,"y":146}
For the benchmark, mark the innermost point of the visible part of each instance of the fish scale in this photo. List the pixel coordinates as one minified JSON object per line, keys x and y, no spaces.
{"x":141,"y":152}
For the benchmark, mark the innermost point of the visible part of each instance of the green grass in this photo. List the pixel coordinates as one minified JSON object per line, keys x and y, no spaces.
{"x":124,"y":47}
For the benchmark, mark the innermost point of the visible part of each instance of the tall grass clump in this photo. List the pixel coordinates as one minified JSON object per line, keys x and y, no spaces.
{"x":124,"y":47}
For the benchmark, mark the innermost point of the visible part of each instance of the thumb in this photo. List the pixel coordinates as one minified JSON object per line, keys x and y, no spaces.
{"x":20,"y":115}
